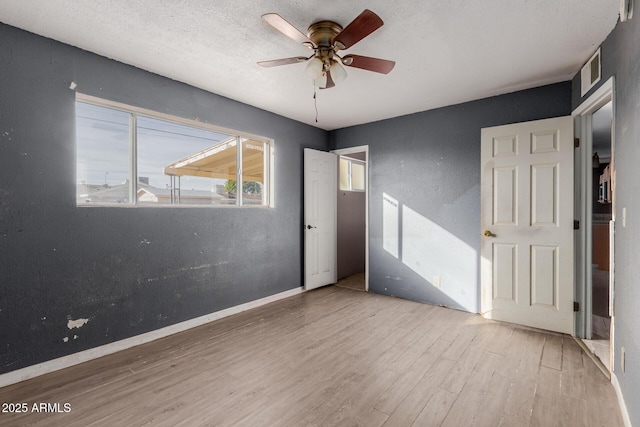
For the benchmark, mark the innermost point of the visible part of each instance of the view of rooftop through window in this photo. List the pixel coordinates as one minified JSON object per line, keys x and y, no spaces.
{"x":175,"y":163}
{"x":102,"y":150}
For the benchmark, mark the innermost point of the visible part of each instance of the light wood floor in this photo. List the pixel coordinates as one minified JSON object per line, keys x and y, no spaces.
{"x":333,"y":356}
{"x":354,"y":282}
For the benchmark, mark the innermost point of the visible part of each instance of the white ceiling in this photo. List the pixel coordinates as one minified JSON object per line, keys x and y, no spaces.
{"x":446,"y":51}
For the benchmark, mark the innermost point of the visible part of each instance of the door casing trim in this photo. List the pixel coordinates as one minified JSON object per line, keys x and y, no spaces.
{"x":583,"y":203}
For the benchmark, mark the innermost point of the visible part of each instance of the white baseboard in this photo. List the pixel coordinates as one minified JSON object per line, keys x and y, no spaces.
{"x":623,"y":406}
{"x":103,"y":350}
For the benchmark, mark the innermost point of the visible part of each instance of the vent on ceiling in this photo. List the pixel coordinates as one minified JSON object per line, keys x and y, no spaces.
{"x":590,"y":73}
{"x":626,"y":10}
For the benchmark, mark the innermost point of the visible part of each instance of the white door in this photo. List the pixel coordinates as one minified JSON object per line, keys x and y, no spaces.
{"x":527,"y":223}
{"x":320,"y":218}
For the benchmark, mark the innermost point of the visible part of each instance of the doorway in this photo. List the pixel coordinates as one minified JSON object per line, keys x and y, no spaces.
{"x":352,"y":218}
{"x":596,"y":210}
{"x":601,"y":215}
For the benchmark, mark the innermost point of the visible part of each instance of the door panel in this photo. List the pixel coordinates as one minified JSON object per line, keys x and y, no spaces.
{"x":544,"y":195}
{"x":320,"y":231}
{"x":505,"y":196}
{"x":504,"y":278}
{"x":527,"y":223}
{"x":544,"y":273}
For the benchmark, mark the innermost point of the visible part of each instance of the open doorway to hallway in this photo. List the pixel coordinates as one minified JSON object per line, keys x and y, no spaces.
{"x":352,"y":196}
{"x":595,"y":210}
{"x":601,"y":233}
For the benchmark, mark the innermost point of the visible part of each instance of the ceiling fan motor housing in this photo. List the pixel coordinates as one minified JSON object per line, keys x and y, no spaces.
{"x":322,"y":34}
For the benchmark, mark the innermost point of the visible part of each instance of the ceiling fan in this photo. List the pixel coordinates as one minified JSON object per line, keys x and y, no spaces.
{"x":326,"y":38}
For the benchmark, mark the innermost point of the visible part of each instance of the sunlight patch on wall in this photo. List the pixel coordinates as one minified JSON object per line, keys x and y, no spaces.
{"x":443,"y":260}
{"x":390,"y":226}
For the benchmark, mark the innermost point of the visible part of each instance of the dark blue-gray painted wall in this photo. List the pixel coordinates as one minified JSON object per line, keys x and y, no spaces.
{"x":127,"y":270}
{"x":621,"y":59}
{"x":429,"y":163}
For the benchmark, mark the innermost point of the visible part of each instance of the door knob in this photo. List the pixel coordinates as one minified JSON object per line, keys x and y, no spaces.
{"x":487,"y":233}
{"x":309,"y":227}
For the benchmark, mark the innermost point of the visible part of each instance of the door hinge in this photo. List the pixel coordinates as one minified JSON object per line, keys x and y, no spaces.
{"x":576,"y":306}
{"x":576,"y":224}
{"x":576,"y":142}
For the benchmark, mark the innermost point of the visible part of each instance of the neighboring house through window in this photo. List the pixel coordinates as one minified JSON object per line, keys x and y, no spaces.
{"x":130,"y":156}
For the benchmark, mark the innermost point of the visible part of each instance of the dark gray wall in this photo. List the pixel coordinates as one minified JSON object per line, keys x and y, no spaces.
{"x":621,"y":59}
{"x":430,"y":163}
{"x":61,"y":262}
{"x":351,"y":232}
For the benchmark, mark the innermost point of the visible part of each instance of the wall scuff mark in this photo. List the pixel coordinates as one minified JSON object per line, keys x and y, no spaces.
{"x":76,"y":323}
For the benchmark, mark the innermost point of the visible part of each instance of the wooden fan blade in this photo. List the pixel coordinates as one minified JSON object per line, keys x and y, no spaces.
{"x":281,"y":24}
{"x":283,"y":61}
{"x":367,"y":63}
{"x":366,"y":23}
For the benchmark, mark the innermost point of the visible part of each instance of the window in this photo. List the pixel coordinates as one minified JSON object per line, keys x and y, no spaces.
{"x":129,"y":156}
{"x":102,"y":154}
{"x":352,"y":176}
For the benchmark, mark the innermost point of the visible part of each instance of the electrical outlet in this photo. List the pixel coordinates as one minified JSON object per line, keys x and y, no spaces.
{"x":436,"y":281}
{"x":622,"y":354}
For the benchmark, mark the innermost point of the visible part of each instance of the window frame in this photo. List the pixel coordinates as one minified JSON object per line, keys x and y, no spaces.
{"x":134,"y":112}
{"x":350,"y":161}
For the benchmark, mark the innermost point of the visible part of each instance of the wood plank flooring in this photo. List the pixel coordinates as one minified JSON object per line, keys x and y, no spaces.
{"x":354,"y":282}
{"x":333,"y":356}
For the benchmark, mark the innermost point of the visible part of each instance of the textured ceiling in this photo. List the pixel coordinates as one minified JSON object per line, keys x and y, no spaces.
{"x":446,"y":51}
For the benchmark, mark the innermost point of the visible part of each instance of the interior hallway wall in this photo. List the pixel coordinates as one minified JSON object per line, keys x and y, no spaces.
{"x":351,"y":233}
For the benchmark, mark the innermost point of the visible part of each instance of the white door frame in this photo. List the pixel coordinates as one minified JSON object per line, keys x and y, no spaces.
{"x":583,"y":205}
{"x":352,"y":150}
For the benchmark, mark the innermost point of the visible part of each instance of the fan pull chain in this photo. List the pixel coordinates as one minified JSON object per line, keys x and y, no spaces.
{"x":315,"y":100}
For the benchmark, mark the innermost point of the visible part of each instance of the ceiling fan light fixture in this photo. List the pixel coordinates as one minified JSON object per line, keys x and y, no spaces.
{"x":314,"y":69}
{"x":338,"y":73}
